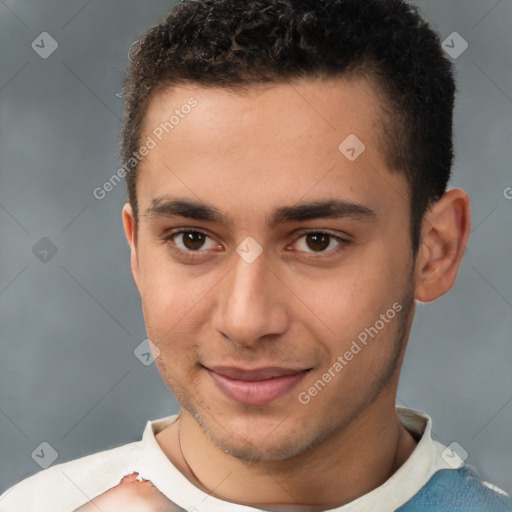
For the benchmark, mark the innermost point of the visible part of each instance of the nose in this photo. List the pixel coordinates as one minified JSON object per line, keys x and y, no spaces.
{"x":252,"y":303}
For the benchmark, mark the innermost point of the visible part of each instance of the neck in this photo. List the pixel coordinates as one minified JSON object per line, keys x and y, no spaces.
{"x":353,"y":462}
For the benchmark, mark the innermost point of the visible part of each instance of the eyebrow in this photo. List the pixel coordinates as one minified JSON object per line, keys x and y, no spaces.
{"x":320,"y":209}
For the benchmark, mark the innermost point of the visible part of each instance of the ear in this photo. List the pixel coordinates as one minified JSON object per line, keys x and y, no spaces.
{"x":445,"y":233}
{"x":130,"y":230}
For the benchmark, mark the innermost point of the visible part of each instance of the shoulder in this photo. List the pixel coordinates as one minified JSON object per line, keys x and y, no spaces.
{"x":67,"y":486}
{"x":458,"y":490}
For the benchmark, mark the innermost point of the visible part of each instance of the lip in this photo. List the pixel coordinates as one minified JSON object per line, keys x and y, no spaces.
{"x":257,"y":386}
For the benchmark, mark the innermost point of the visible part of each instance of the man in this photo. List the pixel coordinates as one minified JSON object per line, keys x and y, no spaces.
{"x":287,"y":166}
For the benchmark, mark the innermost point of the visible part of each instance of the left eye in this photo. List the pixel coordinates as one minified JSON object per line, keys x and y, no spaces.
{"x":318,"y":242}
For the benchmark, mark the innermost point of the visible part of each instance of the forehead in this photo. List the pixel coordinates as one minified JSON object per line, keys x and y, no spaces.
{"x":294,"y":110}
{"x":277,"y":141}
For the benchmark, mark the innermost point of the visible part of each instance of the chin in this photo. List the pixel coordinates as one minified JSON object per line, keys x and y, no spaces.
{"x":250,"y":441}
{"x":254,"y":451}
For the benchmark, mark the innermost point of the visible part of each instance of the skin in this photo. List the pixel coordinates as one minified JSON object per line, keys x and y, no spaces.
{"x":131,"y":495}
{"x":295,"y":306}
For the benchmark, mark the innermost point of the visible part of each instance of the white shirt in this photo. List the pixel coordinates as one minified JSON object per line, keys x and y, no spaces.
{"x":67,"y":486}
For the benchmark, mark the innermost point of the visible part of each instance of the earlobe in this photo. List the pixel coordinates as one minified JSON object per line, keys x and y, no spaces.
{"x":130,"y":230}
{"x":445,"y":234}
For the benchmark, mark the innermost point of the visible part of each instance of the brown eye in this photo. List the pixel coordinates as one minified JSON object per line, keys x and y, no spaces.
{"x":193,"y":240}
{"x":190,"y":241}
{"x":318,"y":241}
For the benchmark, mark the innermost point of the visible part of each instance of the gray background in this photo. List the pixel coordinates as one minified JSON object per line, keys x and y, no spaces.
{"x":69,"y":326}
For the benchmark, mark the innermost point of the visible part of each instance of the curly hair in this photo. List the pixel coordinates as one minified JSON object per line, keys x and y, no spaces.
{"x":237,"y":44}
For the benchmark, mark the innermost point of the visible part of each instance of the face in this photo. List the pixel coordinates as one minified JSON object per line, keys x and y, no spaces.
{"x":274,"y":266}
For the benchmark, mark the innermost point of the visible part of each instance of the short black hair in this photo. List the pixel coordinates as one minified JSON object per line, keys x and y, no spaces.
{"x":239,"y":43}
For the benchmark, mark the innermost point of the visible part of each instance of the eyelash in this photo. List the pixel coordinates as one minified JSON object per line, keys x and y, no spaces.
{"x":169,"y":239}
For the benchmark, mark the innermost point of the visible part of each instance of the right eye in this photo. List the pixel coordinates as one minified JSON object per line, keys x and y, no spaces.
{"x":186,"y":242}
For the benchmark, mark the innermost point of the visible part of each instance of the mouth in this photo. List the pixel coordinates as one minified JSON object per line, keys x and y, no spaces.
{"x":255,"y":386}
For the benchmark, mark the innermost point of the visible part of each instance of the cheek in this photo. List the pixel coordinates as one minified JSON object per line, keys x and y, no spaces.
{"x":175,"y":308}
{"x":167,"y":291}
{"x":345,"y":297}
{"x":353,"y":297}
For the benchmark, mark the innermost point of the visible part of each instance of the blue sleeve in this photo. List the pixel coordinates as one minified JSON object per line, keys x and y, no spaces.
{"x":459,"y":490}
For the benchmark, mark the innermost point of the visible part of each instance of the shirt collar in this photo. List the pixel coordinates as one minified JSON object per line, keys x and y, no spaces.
{"x":397,"y":490}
